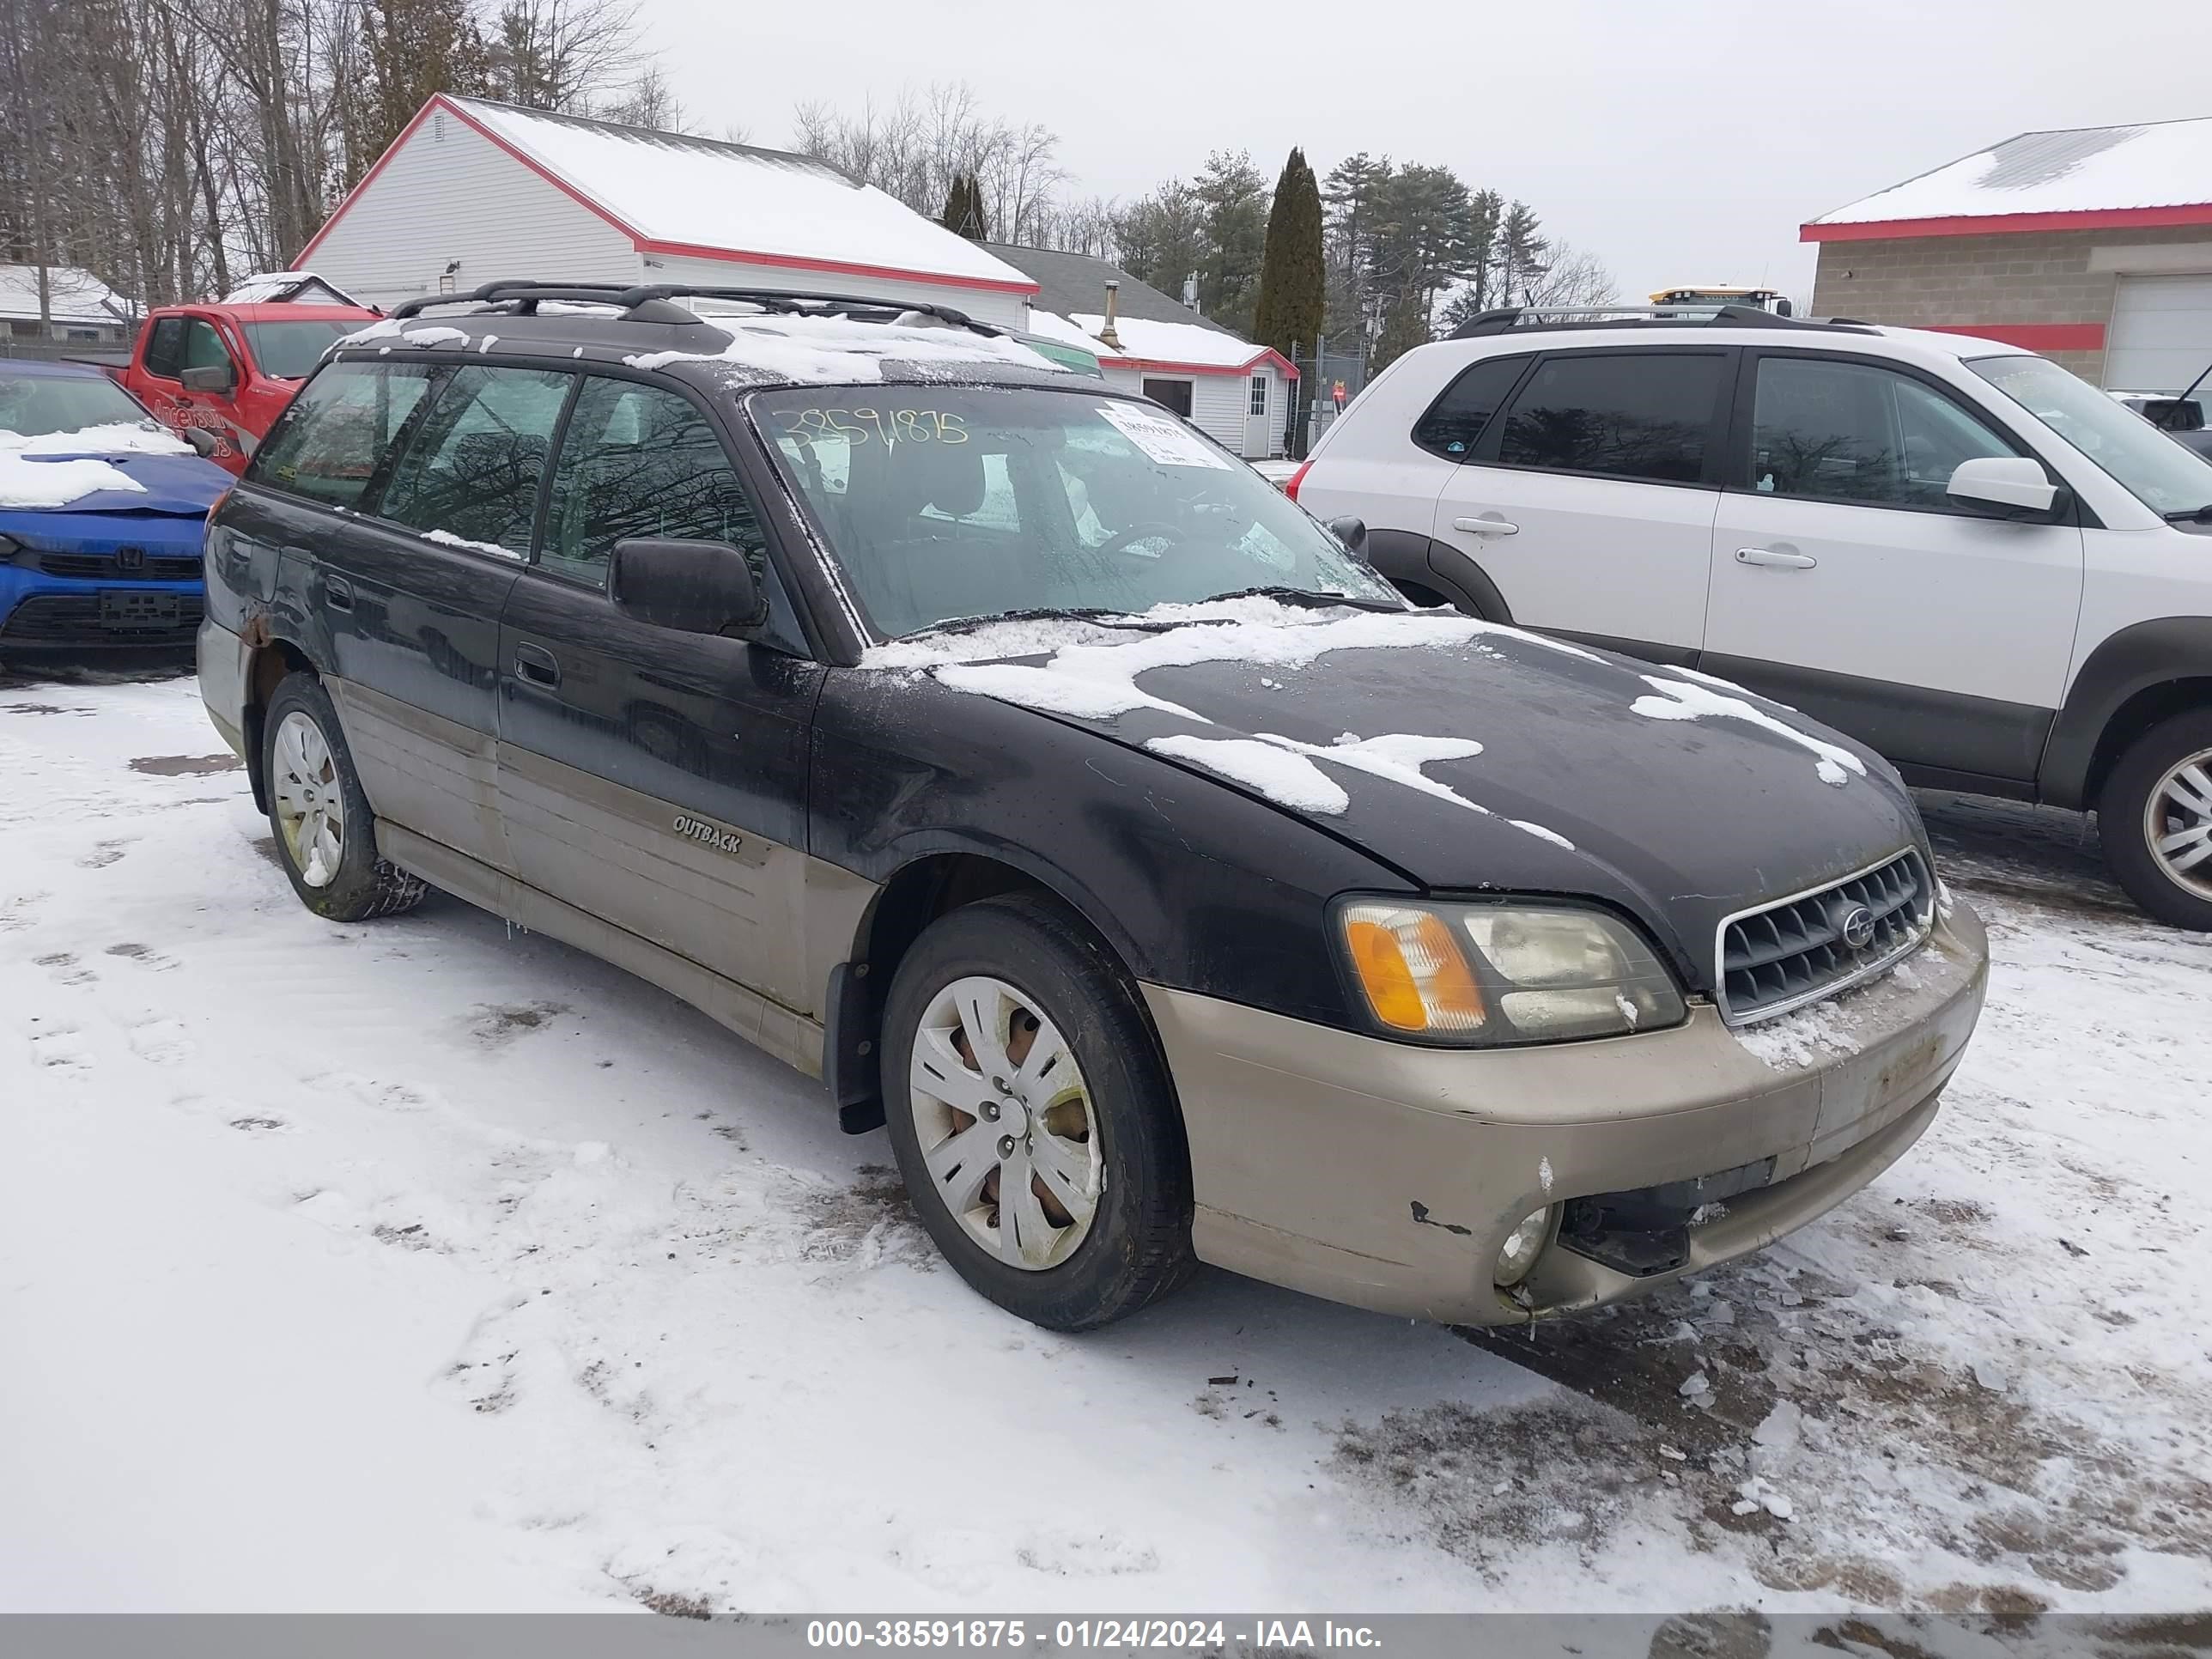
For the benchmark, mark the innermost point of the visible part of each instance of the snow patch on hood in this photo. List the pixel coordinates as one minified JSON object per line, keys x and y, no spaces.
{"x":32,"y":483}
{"x":1685,"y":701}
{"x":1261,"y":765}
{"x":836,"y":351}
{"x":111,"y":438}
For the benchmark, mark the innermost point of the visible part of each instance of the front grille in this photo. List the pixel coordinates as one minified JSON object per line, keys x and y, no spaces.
{"x":71,"y":619}
{"x":1787,"y":954}
{"x":104,"y":566}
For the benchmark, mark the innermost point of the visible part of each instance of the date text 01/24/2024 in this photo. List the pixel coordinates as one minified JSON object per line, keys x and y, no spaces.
{"x":1213,"y":1634}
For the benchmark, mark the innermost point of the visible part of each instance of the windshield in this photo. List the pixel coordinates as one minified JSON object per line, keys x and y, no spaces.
{"x":289,"y":352}
{"x":943,"y":502}
{"x":36,"y":405}
{"x":2161,"y":474}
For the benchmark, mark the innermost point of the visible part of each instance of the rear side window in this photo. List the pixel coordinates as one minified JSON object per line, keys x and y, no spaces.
{"x":468,"y":473}
{"x":1645,"y":415}
{"x":337,"y":432}
{"x":1849,"y":432}
{"x":1454,"y":422}
{"x":639,"y":461}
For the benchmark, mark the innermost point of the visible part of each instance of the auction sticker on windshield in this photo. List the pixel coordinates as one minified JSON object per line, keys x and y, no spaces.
{"x":1160,"y":437}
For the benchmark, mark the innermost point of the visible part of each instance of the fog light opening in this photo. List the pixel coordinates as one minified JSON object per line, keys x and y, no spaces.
{"x":1523,"y":1247}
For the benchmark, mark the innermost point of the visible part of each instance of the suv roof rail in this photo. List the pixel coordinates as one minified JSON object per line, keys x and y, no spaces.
{"x":653,"y":302}
{"x":1513,"y":319}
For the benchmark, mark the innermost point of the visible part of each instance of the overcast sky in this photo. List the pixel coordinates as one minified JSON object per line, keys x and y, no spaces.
{"x":1680,"y":139}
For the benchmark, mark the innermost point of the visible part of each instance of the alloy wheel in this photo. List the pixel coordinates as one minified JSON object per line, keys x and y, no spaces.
{"x":2178,"y":823}
{"x":1006,"y":1123}
{"x":310,"y":803}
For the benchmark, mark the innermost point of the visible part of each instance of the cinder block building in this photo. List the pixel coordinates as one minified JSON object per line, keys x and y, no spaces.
{"x":2092,"y":245}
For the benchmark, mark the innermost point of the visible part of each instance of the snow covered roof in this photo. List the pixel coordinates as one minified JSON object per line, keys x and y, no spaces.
{"x":288,"y":287}
{"x":2155,"y":174}
{"x":73,"y":295}
{"x":678,"y":194}
{"x":1177,"y":345}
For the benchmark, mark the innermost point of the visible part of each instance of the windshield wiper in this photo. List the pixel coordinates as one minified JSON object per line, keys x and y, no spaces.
{"x":1303,"y":596}
{"x":2190,"y":515}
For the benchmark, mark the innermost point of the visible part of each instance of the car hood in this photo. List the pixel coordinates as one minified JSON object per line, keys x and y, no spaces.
{"x":1473,"y":757}
{"x":169,"y":483}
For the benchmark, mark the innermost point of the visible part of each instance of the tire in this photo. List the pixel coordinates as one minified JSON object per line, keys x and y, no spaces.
{"x":302,"y":785}
{"x":1133,"y":1246}
{"x":2147,"y":799}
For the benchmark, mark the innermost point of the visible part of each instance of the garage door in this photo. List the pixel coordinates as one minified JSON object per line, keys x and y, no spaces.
{"x":2161,"y":334}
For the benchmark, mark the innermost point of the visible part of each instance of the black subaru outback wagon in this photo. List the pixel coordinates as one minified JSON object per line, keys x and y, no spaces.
{"x":994,"y":746}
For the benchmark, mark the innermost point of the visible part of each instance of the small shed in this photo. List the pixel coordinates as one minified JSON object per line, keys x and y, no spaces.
{"x":474,"y":192}
{"x":1221,"y":382}
{"x":2091,"y":244}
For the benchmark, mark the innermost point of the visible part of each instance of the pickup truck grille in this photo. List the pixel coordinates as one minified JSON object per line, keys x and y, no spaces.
{"x":108,"y":566}
{"x":1786,"y":955}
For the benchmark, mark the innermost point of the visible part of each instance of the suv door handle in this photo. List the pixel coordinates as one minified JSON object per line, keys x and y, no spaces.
{"x":337,"y":592}
{"x":535,"y":663}
{"x":1774,"y":560}
{"x":1486,"y":526}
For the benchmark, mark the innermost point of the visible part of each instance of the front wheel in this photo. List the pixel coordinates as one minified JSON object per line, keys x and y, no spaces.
{"x":326,"y":831}
{"x":1033,"y":1118}
{"x":2155,"y":817}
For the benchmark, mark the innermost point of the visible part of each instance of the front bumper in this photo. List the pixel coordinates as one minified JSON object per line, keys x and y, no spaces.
{"x":1387,"y":1175}
{"x":42,"y":613}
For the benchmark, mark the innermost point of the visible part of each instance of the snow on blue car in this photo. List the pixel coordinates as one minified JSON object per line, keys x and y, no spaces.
{"x":102,"y":514}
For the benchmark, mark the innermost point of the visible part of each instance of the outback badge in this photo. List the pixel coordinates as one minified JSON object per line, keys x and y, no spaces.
{"x":700,"y":830}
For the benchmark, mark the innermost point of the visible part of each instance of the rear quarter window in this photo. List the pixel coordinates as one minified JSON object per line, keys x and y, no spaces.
{"x":338,"y":432}
{"x":1455,"y":424}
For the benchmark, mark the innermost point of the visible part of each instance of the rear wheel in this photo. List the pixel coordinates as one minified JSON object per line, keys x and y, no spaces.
{"x":326,"y":831}
{"x":1032,"y":1117}
{"x":2155,"y":819}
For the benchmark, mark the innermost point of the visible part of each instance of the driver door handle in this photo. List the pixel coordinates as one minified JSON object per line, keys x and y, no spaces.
{"x":1774,"y":560}
{"x":537,"y":664}
{"x":1486,"y":526}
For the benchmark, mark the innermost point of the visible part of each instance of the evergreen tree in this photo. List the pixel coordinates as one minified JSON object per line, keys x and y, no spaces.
{"x":1161,"y":237}
{"x":1406,"y":327}
{"x":956,"y":203}
{"x":1233,"y":204}
{"x":414,"y":49}
{"x":973,"y":224}
{"x":1293,"y":283}
{"x":1518,"y":256}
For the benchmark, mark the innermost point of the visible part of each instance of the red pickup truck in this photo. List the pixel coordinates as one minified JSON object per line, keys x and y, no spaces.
{"x":230,"y":369}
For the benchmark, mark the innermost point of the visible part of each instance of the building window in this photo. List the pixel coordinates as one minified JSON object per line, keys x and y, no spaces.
{"x":1258,"y":394}
{"x":1175,"y":394}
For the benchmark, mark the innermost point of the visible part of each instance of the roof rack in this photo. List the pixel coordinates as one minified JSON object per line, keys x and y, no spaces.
{"x":653,"y":302}
{"x":1513,"y":319}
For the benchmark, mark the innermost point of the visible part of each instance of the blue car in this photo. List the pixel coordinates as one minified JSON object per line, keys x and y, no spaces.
{"x":102,"y":514}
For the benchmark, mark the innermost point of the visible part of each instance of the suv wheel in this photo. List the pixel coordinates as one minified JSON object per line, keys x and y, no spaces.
{"x":1032,"y":1116}
{"x":2155,"y":817}
{"x":326,"y":832}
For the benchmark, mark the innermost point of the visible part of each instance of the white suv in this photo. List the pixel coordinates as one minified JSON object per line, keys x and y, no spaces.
{"x":1955,"y":550}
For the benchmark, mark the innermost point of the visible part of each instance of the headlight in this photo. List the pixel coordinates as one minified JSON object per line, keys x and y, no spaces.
{"x":1490,"y":974}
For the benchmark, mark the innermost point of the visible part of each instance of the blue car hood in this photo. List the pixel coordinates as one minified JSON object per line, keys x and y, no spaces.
{"x":174,"y":484}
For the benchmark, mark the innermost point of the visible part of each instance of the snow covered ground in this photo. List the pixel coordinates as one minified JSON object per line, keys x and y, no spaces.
{"x":420,"y":1265}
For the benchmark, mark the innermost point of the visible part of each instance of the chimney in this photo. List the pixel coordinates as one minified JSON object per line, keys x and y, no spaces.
{"x":1106,"y":335}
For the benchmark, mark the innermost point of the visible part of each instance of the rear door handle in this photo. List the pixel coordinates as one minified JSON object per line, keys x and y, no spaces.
{"x":535,"y":663}
{"x":1775,"y":560}
{"x":1486,"y":526}
{"x":338,"y":592}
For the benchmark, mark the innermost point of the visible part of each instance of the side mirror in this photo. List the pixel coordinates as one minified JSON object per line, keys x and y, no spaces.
{"x":202,"y":441}
{"x":1784,"y":308}
{"x":1352,"y":532}
{"x":2006,"y":487}
{"x":213,"y":378}
{"x":692,"y":587}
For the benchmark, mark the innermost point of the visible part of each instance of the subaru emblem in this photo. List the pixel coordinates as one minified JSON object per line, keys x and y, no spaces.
{"x":1858,"y":927}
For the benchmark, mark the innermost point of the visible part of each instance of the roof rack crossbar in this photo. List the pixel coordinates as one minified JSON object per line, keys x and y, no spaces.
{"x":650,"y":302}
{"x":1517,"y":319}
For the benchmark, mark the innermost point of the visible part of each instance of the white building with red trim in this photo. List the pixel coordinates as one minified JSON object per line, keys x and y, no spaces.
{"x":474,"y":191}
{"x":1236,"y":391}
{"x":2092,"y":245}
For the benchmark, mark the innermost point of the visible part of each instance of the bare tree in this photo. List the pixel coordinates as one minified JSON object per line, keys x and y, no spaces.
{"x":563,"y":54}
{"x":1572,"y":276}
{"x":914,"y":147}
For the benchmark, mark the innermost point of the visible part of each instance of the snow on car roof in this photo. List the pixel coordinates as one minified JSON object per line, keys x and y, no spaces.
{"x":838,"y":350}
{"x":707,"y":193}
{"x":2081,"y":170}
